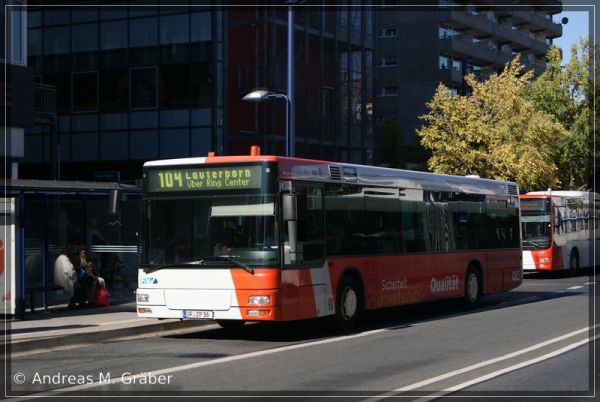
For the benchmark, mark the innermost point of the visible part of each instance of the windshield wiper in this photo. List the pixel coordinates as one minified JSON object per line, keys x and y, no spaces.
{"x":537,"y":245}
{"x":154,"y":268}
{"x":227,"y":259}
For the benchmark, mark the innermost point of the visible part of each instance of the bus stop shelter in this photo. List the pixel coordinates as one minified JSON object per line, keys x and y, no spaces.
{"x":39,"y":217}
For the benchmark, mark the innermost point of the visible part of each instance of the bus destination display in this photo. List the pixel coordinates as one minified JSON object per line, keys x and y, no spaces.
{"x":198,"y":179}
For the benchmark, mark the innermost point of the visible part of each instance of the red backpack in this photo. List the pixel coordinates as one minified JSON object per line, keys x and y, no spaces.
{"x":102,"y":297}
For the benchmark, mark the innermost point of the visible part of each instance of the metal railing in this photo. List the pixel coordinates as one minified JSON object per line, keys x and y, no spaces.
{"x":44,"y":103}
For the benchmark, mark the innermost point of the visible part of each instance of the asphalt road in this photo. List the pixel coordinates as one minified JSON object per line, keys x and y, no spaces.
{"x":532,"y":341}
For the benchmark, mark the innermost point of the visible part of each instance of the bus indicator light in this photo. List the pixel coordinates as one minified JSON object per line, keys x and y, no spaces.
{"x":258,"y":313}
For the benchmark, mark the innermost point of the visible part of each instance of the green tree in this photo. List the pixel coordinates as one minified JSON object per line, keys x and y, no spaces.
{"x":566,"y":93}
{"x":493,"y":132}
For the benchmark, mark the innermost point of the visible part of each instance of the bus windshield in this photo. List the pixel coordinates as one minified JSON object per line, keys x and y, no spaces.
{"x":184,"y":231}
{"x":536,"y":225}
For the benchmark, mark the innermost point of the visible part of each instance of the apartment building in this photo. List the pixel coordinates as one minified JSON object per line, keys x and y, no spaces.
{"x":419,"y":47}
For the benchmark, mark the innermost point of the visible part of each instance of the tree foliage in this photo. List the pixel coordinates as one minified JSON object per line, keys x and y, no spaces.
{"x":493,"y":132}
{"x":567,"y":94}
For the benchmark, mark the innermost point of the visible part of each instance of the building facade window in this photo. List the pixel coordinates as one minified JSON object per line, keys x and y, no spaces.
{"x":18,"y":32}
{"x":143,"y":32}
{"x":443,"y":62}
{"x":446,"y":32}
{"x":387,"y":61}
{"x":175,"y":85}
{"x":387,"y":32}
{"x":113,"y":89}
{"x":85,"y":92}
{"x":452,"y":91}
{"x":84,"y":38}
{"x":84,"y":14}
{"x":201,"y":84}
{"x":447,"y":62}
{"x":143,"y":88}
{"x":174,"y":29}
{"x":201,"y":27}
{"x":387,"y":91}
{"x":113,"y":35}
{"x":56,"y":40}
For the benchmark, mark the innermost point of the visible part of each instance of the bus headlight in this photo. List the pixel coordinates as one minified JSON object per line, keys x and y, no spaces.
{"x":545,"y":260}
{"x":143,"y":298}
{"x":259,"y":300}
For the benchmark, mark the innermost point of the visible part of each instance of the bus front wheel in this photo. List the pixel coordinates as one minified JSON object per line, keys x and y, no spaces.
{"x":348,"y":306}
{"x":472,"y":287}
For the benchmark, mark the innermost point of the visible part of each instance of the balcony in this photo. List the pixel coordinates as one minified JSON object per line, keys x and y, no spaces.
{"x":480,"y":54}
{"x":44,"y":104}
{"x":484,"y":28}
{"x":537,"y":23}
{"x":451,"y":76}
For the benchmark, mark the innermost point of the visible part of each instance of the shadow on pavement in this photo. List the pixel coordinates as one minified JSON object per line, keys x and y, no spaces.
{"x":392,"y":319}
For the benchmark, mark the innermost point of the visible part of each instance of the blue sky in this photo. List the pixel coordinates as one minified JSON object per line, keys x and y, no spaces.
{"x":578,"y":26}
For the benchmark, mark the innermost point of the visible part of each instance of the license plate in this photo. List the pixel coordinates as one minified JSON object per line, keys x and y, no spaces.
{"x":199,"y":314}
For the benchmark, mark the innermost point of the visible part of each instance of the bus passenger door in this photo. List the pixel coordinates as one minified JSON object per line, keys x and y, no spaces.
{"x":305,"y":279}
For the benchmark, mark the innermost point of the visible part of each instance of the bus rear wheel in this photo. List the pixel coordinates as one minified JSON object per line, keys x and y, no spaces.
{"x":348,"y":303}
{"x":473,"y":290}
{"x":574,"y":262}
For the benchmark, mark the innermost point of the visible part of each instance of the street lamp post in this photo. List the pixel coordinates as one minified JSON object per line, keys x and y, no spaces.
{"x":260,"y":95}
{"x":291,"y":81}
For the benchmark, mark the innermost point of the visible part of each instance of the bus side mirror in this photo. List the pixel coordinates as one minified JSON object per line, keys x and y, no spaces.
{"x":289,"y":207}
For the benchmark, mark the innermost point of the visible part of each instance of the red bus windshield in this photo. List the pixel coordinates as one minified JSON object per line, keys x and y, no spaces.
{"x":536,"y":225}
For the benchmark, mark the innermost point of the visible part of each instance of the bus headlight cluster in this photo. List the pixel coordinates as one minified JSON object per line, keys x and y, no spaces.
{"x":545,"y":260}
{"x":143,"y":298}
{"x":259,"y":300}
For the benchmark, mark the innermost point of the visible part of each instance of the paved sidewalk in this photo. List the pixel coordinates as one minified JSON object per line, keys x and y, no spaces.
{"x":61,"y":327}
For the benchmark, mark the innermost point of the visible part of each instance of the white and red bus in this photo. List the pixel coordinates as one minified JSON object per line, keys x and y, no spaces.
{"x":270,"y":238}
{"x":559,"y":229}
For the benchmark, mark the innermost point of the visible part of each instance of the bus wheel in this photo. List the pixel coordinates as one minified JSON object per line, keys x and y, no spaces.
{"x":348,"y":306}
{"x":472,"y":287}
{"x":231,"y":325}
{"x":574,"y":262}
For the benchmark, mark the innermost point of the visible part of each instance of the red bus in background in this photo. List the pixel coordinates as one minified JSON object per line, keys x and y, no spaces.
{"x":560,"y":229}
{"x":269,"y":238}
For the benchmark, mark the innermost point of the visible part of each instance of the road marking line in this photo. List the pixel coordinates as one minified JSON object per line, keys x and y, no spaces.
{"x":574,"y":287}
{"x":226,"y":359}
{"x":491,"y":361}
{"x":478,"y":365}
{"x":590,"y":283}
{"x":259,"y":353}
{"x":520,"y":365}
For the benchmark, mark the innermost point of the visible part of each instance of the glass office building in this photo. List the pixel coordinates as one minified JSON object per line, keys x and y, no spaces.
{"x":138,"y":82}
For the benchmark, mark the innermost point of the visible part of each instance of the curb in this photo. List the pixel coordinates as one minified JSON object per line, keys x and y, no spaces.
{"x":83,"y":338}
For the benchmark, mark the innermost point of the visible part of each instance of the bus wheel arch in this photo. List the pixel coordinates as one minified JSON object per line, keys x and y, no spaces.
{"x":349,"y":299}
{"x":473,"y":289}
